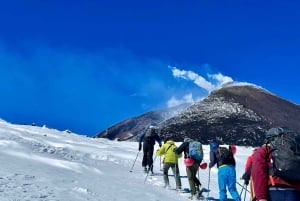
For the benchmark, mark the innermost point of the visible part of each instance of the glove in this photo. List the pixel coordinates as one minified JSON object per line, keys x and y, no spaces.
{"x":159,"y":145}
{"x":140,"y":147}
{"x":246,"y":182}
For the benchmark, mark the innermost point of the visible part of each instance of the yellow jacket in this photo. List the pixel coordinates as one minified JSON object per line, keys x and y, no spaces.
{"x":168,"y":150}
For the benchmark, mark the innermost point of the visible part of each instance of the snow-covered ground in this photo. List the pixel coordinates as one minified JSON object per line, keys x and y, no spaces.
{"x":41,"y":164}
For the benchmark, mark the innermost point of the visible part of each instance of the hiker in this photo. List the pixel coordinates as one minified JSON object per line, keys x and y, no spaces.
{"x":170,"y":161}
{"x":268,"y":186}
{"x":148,"y":139}
{"x":248,"y":166}
{"x":225,"y":161}
{"x":192,"y":168}
{"x":247,"y":174}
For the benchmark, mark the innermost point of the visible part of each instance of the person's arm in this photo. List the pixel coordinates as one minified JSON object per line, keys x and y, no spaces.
{"x":140,"y":140}
{"x":248,"y":162}
{"x":179,"y":155}
{"x":181,"y":148}
{"x":161,"y":151}
{"x":247,"y":174}
{"x":158,"y":139}
{"x":212,"y":158}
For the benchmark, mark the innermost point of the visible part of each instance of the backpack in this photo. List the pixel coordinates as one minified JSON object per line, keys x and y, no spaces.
{"x":149,"y":133}
{"x":224,"y":156}
{"x":149,"y":136}
{"x":195,"y":150}
{"x":285,"y":148}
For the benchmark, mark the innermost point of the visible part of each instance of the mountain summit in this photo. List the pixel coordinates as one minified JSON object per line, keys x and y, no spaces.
{"x":237,"y":113}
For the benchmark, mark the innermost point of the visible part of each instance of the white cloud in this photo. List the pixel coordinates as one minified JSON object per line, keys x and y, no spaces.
{"x":185,"y":99}
{"x":213,"y":82}
{"x":197,"y":79}
{"x":221,"y":79}
{"x":216,"y":80}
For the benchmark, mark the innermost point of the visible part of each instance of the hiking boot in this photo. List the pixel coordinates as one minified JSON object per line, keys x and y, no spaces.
{"x":192,"y":197}
{"x":167,"y":186}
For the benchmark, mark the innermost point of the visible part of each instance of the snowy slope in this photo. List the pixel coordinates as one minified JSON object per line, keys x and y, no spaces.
{"x":41,"y":164}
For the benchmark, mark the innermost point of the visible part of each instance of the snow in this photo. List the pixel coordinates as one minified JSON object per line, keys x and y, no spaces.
{"x":41,"y":164}
{"x":235,"y":83}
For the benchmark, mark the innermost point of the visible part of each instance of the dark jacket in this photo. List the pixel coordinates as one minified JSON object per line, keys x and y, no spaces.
{"x":215,"y":158}
{"x":184,"y":147}
{"x":260,"y":174}
{"x":150,"y":141}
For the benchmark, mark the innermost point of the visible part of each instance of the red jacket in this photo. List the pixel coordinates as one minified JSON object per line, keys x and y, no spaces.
{"x":260,"y":175}
{"x":248,"y":162}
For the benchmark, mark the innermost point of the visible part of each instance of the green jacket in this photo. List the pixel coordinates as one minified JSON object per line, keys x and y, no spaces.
{"x":168,"y":150}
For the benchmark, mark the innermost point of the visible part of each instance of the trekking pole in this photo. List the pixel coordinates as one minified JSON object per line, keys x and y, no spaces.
{"x":175,"y":172}
{"x":242,"y":186}
{"x":160,"y":163}
{"x":245,"y":192}
{"x":134,"y":161}
{"x":150,"y":168}
{"x":242,"y":191}
{"x":208,"y":184}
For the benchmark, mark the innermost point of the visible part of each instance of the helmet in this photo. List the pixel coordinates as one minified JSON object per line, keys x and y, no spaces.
{"x":188,"y":162}
{"x":203,"y":166}
{"x":273,"y":132}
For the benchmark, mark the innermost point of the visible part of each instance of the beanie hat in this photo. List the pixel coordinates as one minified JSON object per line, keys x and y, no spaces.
{"x":186,"y":139}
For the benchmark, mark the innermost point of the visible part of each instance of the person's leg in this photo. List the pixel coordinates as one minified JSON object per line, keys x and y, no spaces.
{"x":175,"y":170}
{"x":222,"y":176}
{"x":195,"y":171}
{"x":232,"y":183}
{"x":166,"y":167}
{"x":189,"y":173}
{"x":144,"y":161}
{"x":150,"y":158}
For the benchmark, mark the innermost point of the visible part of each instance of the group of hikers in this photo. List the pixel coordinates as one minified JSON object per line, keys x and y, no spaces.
{"x":263,"y":169}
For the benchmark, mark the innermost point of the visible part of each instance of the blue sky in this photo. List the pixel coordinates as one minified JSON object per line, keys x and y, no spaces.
{"x":86,"y":65}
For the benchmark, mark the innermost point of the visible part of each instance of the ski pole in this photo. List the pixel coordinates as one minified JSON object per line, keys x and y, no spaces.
{"x":134,"y":161}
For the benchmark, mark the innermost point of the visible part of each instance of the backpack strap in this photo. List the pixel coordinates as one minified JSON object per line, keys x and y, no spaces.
{"x":169,"y":147}
{"x":270,"y":169}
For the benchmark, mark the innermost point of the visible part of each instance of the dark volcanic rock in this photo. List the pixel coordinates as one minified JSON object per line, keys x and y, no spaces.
{"x":234,"y":114}
{"x":129,"y":129}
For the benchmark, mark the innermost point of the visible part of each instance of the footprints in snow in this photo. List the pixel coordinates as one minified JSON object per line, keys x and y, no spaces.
{"x":20,"y":187}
